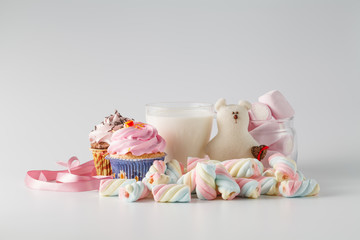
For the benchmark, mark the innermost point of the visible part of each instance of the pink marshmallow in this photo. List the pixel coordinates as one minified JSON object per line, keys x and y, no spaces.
{"x":280,"y":107}
{"x":252,"y":126}
{"x":275,"y":155}
{"x":259,"y":112}
{"x":267,"y":133}
{"x":193,"y":161}
{"x":269,"y":155}
{"x":265,"y":161}
{"x":284,"y":145}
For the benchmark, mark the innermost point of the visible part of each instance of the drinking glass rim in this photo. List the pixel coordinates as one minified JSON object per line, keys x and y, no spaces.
{"x":179,"y":105}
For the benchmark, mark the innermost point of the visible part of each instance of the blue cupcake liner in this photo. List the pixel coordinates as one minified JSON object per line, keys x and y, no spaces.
{"x":131,"y":169}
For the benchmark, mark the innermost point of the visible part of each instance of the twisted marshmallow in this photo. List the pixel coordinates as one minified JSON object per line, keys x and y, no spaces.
{"x":156,"y":179}
{"x":171,"y":193}
{"x":173,"y":170}
{"x":157,"y":167}
{"x":193,"y":161}
{"x":225,"y":183}
{"x":249,"y":188}
{"x":301,"y":176}
{"x":189,"y":179}
{"x":110,"y":187}
{"x":285,"y":168}
{"x":244,"y":167}
{"x":270,"y":172}
{"x":133,"y":191}
{"x":205,"y":181}
{"x":156,"y":174}
{"x":295,"y":188}
{"x":269,"y":186}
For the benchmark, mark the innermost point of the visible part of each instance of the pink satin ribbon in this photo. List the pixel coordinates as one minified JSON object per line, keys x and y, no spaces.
{"x":77,"y":178}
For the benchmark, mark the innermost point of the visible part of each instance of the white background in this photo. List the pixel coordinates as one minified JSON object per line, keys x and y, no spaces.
{"x":64,"y":65}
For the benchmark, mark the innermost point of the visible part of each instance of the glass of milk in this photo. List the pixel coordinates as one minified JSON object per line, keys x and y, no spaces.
{"x":186,"y":127}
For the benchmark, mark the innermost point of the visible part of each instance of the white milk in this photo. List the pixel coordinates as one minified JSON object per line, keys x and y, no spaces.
{"x":186,"y":133}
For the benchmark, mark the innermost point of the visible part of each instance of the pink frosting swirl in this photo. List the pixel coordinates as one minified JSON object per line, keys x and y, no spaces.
{"x":139,"y":139}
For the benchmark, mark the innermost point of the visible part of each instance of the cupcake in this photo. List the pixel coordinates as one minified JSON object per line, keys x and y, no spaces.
{"x":100,"y":139}
{"x":133,"y":149}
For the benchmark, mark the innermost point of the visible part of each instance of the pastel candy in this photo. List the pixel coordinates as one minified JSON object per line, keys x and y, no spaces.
{"x":156,"y":179}
{"x":258,"y":113}
{"x":226,"y":185}
{"x":285,"y":168}
{"x":283,"y":145}
{"x":157,"y":167}
{"x":268,"y":133}
{"x":193,"y":161}
{"x":244,"y":167}
{"x":189,"y":179}
{"x":171,"y":193}
{"x":252,"y":125}
{"x":269,"y":186}
{"x":269,"y":172}
{"x":301,"y":175}
{"x":110,"y":187}
{"x":213,"y":161}
{"x":249,"y":188}
{"x":295,"y":188}
{"x":133,"y":192}
{"x":205,"y":181}
{"x":156,"y":174}
{"x":280,"y":107}
{"x":265,"y":160}
{"x":173,"y":170}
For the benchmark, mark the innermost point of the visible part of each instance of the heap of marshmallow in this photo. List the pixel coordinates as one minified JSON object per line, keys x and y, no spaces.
{"x":267,"y":117}
{"x":208,"y":179}
{"x":244,"y":177}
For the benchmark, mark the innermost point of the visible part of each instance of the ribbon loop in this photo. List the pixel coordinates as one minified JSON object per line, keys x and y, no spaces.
{"x":77,"y":178}
{"x":72,"y":163}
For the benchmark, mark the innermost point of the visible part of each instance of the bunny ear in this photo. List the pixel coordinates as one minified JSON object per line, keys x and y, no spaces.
{"x":245,"y":104}
{"x":219,"y":104}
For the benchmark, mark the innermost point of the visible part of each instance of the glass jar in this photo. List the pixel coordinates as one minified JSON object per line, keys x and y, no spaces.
{"x":278,"y":134}
{"x":186,"y":127}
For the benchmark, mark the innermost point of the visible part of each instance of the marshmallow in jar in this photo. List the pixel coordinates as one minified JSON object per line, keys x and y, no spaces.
{"x":272,"y":124}
{"x":186,"y":127}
